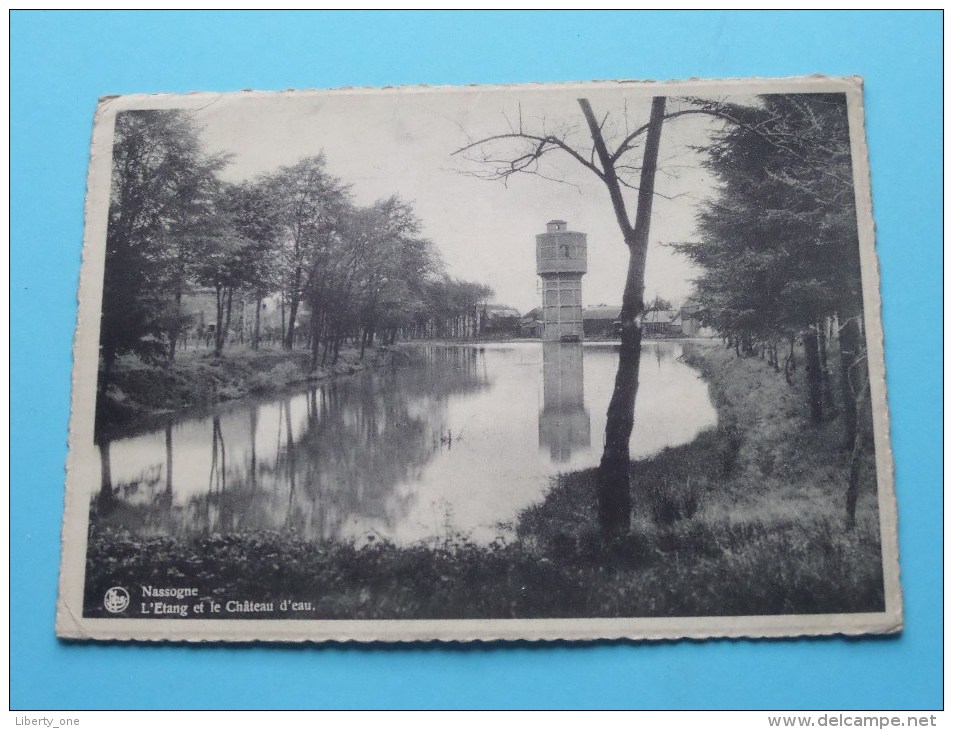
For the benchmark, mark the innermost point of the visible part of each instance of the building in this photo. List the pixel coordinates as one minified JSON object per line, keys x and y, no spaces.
{"x":691,"y":320}
{"x":531,"y":323}
{"x":500,"y":320}
{"x":601,"y":322}
{"x":561,"y":264}
{"x":199,"y":310}
{"x":662,"y":323}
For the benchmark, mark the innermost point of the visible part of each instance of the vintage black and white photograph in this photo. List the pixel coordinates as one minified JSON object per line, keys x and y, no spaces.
{"x":572,"y":361}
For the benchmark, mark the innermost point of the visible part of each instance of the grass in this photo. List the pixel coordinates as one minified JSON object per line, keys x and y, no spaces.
{"x":745,"y":520}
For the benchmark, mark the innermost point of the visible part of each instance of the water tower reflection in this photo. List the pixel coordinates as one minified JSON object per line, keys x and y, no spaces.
{"x":564,"y":421}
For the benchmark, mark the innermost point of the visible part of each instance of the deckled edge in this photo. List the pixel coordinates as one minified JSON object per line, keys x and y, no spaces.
{"x":876,"y":358}
{"x":75,"y":511}
{"x":137,"y":100}
{"x":492,"y":630}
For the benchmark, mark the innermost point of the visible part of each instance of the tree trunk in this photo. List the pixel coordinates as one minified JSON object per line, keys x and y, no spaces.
{"x":293,"y":310}
{"x":228,"y":317}
{"x":790,"y":364}
{"x":853,"y":485}
{"x":849,"y":345}
{"x":337,"y":349}
{"x":292,"y":316}
{"x":316,"y":321}
{"x":224,"y":318}
{"x":825,"y":372}
{"x":219,"y":319}
{"x":614,"y":491}
{"x":812,"y":369}
{"x":282,"y":318}
{"x":174,"y":332}
{"x":256,"y":334}
{"x":102,"y":386}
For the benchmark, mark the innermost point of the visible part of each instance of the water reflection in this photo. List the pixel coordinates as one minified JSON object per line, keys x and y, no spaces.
{"x":564,"y":420}
{"x":457,"y":440}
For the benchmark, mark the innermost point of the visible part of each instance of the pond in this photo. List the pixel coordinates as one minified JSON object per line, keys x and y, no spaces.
{"x":457,"y":440}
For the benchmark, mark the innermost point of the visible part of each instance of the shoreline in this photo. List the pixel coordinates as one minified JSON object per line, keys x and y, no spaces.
{"x":144,"y":396}
{"x":744,"y":520}
{"x":530,"y":340}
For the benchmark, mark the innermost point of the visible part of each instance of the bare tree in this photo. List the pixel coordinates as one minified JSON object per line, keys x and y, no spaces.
{"x":614,"y":168}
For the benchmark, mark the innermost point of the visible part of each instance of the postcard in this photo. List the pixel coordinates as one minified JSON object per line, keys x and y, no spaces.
{"x":556,"y":361}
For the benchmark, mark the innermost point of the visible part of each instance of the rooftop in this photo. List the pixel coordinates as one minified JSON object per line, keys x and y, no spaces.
{"x":601,"y":312}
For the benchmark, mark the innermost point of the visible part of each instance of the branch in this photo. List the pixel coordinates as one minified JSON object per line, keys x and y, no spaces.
{"x":543,"y":144}
{"x":630,"y":186}
{"x":609,"y":177}
{"x":625,"y":145}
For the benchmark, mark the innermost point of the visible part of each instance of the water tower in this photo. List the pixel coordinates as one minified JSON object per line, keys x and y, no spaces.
{"x":561,"y":262}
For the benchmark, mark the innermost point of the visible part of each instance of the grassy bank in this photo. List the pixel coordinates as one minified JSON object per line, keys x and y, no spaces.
{"x":140,"y":392}
{"x":746,"y":519}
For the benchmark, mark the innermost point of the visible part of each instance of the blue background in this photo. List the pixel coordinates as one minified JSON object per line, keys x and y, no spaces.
{"x":62,"y":62}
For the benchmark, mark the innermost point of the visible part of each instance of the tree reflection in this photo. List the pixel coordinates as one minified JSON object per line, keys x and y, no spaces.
{"x":166,"y":498}
{"x":343,"y":451}
{"x":106,"y":498}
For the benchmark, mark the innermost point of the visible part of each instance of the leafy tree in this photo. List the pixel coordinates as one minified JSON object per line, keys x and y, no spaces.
{"x":254,"y":217}
{"x":395,"y":262}
{"x":312,"y":205}
{"x":401,"y":290}
{"x":779,"y":246}
{"x":228,"y":261}
{"x":163,"y":185}
{"x":452,"y":307}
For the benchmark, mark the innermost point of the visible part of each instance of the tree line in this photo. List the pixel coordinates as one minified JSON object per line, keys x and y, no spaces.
{"x":340,"y":271}
{"x":779,"y":251}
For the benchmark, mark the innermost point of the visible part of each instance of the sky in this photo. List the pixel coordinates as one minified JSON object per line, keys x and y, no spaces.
{"x":386,"y":142}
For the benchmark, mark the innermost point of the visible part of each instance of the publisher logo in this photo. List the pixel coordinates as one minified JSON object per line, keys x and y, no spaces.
{"x":116,"y":599}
